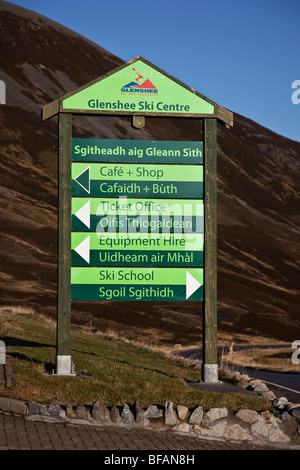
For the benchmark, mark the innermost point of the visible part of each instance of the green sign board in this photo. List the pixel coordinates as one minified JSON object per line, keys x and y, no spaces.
{"x":143,"y":211}
{"x":113,"y":180}
{"x":132,"y":226}
{"x":137,"y":215}
{"x":156,"y":284}
{"x":136,"y":249}
{"x":138,"y":88}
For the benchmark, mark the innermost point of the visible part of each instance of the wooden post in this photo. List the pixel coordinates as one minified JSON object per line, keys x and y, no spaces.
{"x":63,"y":358}
{"x":209,"y":349}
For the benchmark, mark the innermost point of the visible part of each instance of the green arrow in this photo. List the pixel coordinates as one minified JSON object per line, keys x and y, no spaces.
{"x":83,"y":179}
{"x":144,"y":283}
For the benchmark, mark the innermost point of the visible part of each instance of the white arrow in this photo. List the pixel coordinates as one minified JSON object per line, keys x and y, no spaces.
{"x":83,"y":214}
{"x":83,"y":249}
{"x":191,"y":285}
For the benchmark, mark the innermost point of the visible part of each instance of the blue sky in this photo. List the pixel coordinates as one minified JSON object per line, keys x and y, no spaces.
{"x":242,"y":54}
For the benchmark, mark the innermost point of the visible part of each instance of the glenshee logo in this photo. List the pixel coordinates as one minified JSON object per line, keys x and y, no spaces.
{"x":144,"y":88}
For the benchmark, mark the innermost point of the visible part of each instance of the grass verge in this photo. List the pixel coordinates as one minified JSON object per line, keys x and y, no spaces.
{"x":114,"y":371}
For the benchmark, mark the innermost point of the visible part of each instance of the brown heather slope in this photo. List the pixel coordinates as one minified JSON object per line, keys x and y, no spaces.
{"x":258,"y":196}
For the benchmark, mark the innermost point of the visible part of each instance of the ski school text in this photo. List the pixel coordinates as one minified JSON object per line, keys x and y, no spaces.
{"x":141,"y":106}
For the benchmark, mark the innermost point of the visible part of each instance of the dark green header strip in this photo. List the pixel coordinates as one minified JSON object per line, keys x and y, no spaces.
{"x":142,"y":151}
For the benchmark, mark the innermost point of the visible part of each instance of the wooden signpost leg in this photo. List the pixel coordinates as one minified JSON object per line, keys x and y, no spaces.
{"x":63,"y":357}
{"x":209,"y":349}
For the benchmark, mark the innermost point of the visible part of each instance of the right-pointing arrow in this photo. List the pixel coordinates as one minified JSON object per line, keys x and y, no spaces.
{"x":191,"y":284}
{"x":83,"y":249}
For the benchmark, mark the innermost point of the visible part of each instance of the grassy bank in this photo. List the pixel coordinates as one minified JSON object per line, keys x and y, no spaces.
{"x":113,"y":371}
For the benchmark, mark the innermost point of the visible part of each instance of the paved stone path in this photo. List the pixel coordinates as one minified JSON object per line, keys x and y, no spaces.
{"x":19,"y":433}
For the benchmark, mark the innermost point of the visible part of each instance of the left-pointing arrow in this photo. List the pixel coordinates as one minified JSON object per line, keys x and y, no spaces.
{"x":83,"y":214}
{"x":83,"y":249}
{"x":83,"y":179}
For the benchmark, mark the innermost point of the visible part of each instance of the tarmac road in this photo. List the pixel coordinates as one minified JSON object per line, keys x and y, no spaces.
{"x":287,"y":385}
{"x":282,"y":384}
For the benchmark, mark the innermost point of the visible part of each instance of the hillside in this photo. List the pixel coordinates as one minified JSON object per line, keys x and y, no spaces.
{"x":258,"y":196}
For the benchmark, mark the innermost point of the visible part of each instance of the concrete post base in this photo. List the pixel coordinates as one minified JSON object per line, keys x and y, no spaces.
{"x":64,"y":365}
{"x":210,"y":373}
